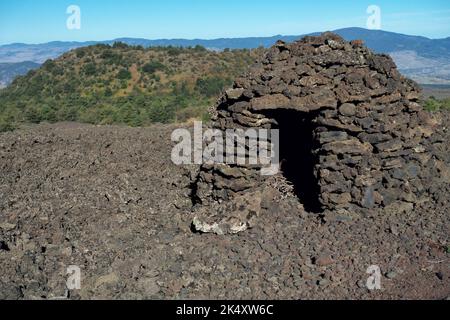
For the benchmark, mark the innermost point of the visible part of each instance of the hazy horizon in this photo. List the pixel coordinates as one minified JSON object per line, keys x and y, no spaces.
{"x":207,"y":39}
{"x":33,"y":23}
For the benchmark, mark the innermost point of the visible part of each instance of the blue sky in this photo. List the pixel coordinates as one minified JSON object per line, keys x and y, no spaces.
{"x":33,"y":21}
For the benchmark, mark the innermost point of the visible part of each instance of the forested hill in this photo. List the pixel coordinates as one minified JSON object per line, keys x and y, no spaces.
{"x":105,"y":84}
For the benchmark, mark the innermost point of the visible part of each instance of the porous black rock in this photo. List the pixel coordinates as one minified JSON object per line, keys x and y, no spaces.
{"x":364,"y":117}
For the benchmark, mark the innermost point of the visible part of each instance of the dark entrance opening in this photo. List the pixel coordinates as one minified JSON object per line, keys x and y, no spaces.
{"x":297,"y":158}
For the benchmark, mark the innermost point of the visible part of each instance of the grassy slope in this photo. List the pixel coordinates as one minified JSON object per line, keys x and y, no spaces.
{"x":122,"y":84}
{"x":126,"y":84}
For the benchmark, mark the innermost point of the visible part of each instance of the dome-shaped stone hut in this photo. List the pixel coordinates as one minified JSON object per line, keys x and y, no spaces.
{"x":350,"y":127}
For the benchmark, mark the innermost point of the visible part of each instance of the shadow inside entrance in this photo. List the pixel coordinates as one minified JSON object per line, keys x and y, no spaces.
{"x":296,"y":155}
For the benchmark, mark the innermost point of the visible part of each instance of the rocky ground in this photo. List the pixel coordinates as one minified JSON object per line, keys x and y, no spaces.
{"x":109,"y":200}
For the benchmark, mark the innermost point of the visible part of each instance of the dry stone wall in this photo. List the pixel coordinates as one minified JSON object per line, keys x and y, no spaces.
{"x":368,"y":133}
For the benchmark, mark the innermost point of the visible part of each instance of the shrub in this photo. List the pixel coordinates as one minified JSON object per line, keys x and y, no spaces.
{"x":162,"y":113}
{"x":6,"y":125}
{"x":107,"y":54}
{"x":120,"y":45}
{"x":124,"y":74}
{"x":90,"y":69}
{"x":48,"y":114}
{"x":174,"y":51}
{"x":211,"y":86}
{"x":200,"y":48}
{"x":49,"y":65}
{"x":153,"y":66}
{"x":433,"y":104}
{"x":80,"y":53}
{"x":108,"y":92}
{"x":111,"y":57}
{"x":33,"y":115}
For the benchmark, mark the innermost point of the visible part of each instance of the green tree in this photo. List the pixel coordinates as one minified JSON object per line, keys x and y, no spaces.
{"x":124,"y":74}
{"x":33,"y":115}
{"x":80,"y":53}
{"x":153,"y":66}
{"x":120,"y":45}
{"x":108,"y":92}
{"x":200,"y":48}
{"x":211,"y":86}
{"x":90,"y":69}
{"x":6,"y":124}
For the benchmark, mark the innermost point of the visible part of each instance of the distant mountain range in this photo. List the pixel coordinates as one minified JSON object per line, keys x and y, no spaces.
{"x":422,"y":59}
{"x":8,"y":71}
